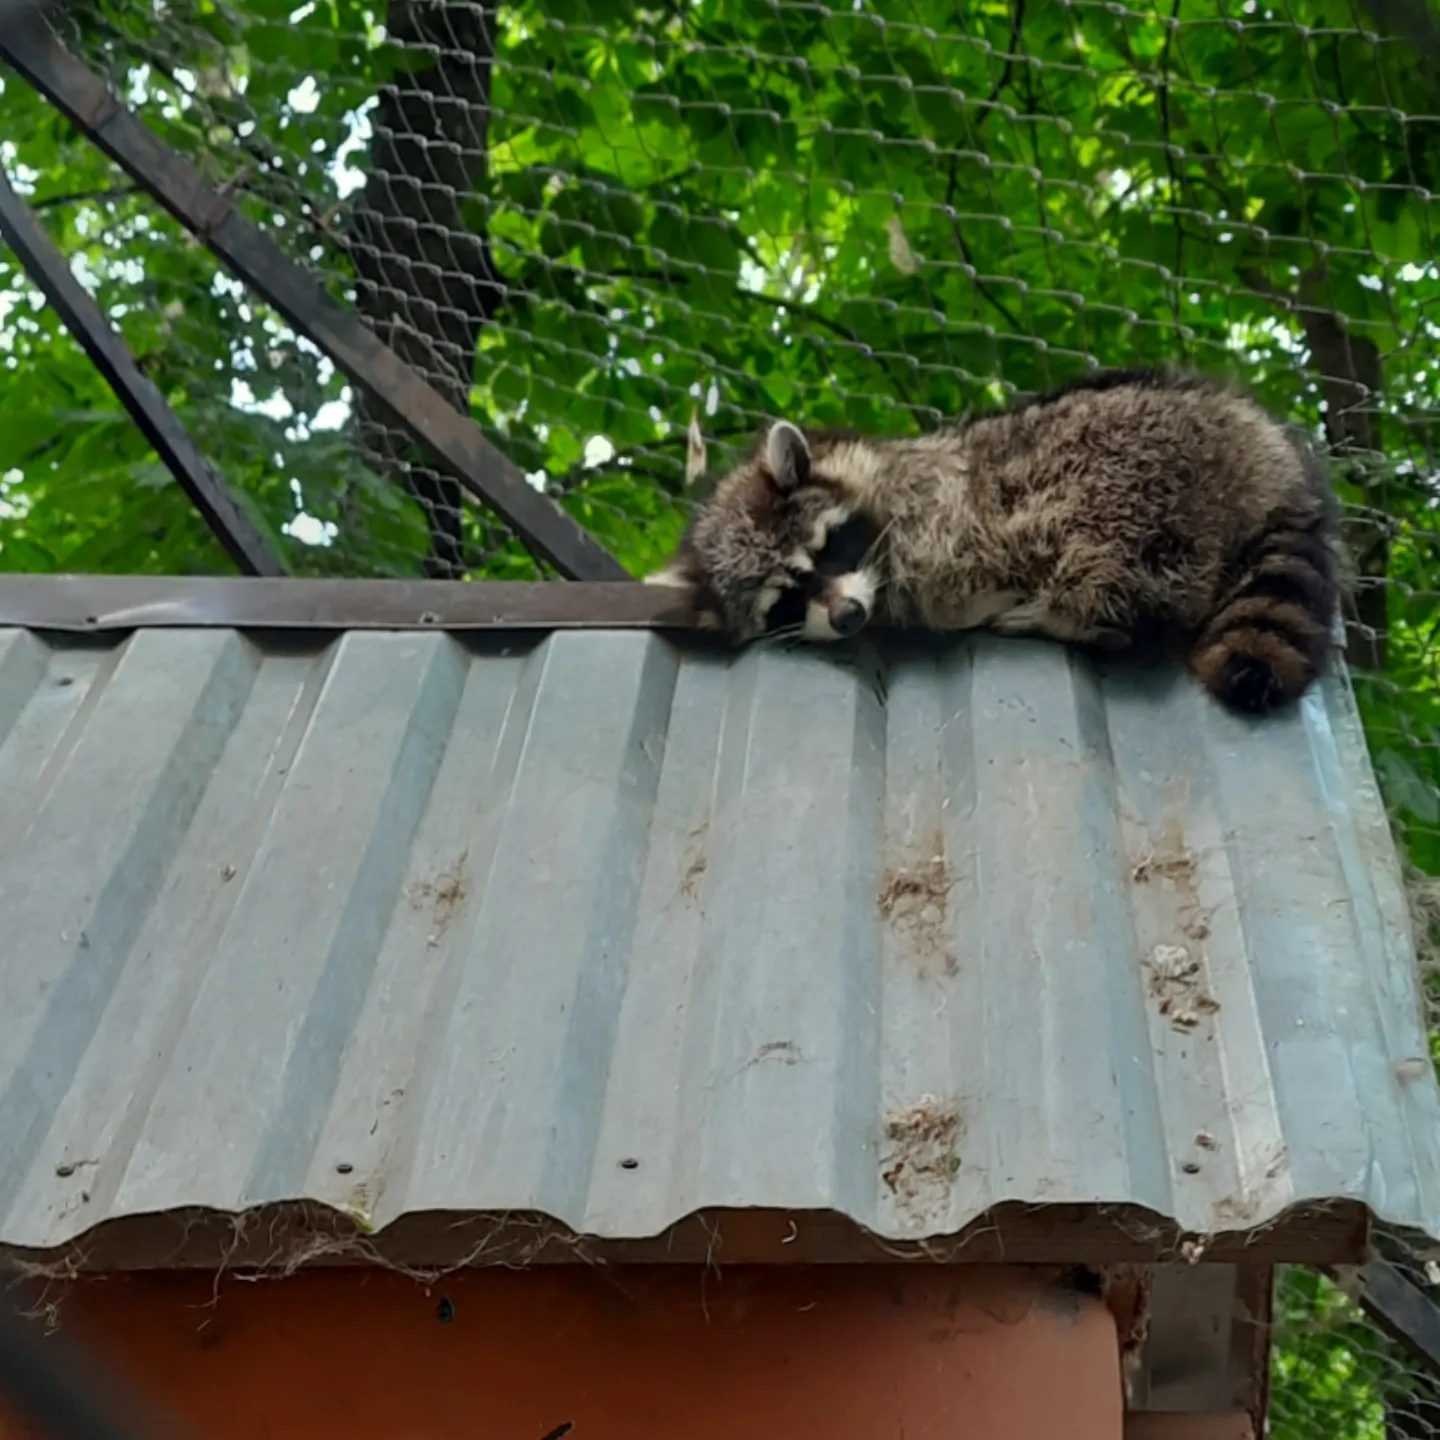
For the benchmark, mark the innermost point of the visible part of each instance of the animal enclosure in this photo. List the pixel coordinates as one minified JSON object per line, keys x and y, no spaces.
{"x":580,"y":225}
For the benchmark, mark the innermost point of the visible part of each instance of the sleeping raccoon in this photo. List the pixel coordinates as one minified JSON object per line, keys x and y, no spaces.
{"x":1128,"y":508}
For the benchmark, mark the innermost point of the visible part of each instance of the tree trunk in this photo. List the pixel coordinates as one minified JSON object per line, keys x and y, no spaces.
{"x":425,"y":282}
{"x":1351,"y":379}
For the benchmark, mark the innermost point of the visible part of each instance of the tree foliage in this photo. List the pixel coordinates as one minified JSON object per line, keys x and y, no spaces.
{"x":1333,"y":1373}
{"x":870,"y":215}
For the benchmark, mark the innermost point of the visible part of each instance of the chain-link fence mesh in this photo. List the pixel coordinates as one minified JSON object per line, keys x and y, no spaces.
{"x":580,"y":225}
{"x":1335,"y":1372}
{"x":585,"y":223}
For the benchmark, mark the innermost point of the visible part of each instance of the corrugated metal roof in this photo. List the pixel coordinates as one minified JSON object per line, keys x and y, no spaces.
{"x":607,"y":931}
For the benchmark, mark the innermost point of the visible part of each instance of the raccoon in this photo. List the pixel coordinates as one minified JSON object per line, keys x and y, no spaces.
{"x":1122,"y":512}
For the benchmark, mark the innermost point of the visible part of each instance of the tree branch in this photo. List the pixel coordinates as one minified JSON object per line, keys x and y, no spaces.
{"x":1017,"y":24}
{"x":52,"y":202}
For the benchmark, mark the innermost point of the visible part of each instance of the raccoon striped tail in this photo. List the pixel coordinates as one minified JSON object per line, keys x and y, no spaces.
{"x":1270,"y":635}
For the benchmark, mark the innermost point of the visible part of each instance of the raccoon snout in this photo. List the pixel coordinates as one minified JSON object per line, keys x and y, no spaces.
{"x":847,"y":617}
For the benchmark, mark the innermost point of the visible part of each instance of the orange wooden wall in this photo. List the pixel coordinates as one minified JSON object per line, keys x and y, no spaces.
{"x":618,"y":1354}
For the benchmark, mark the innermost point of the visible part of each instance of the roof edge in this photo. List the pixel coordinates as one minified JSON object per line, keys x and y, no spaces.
{"x":289,"y":1235}
{"x":92,"y":604}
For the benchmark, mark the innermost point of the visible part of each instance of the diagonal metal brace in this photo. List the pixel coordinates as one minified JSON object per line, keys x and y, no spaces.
{"x":454,"y":439}
{"x":1402,"y":1310}
{"x":82,"y":317}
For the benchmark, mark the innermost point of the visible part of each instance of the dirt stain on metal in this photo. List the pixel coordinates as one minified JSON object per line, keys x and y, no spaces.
{"x":699,"y":862}
{"x":1172,"y":864}
{"x":921,"y":1157}
{"x":445,"y":894}
{"x":1176,"y":982}
{"x":915,"y":900}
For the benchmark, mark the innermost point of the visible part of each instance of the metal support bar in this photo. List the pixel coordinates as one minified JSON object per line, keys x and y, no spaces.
{"x":92,"y":604}
{"x":493,"y":478}
{"x":82,"y":317}
{"x":1403,"y":1311}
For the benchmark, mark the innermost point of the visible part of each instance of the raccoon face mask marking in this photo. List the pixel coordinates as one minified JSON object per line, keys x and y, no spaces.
{"x":782,"y":548}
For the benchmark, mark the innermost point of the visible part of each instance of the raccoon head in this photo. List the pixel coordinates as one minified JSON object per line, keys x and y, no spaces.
{"x":782,"y":546}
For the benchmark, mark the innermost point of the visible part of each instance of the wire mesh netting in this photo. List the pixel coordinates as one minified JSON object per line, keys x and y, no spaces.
{"x":586,"y":224}
{"x":1335,"y":1373}
{"x":579,"y":227}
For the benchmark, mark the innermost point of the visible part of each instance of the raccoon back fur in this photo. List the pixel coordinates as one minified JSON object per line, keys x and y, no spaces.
{"x":1128,"y":509}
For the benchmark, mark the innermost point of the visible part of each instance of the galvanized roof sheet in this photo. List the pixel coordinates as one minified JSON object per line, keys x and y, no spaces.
{"x":603,"y":930}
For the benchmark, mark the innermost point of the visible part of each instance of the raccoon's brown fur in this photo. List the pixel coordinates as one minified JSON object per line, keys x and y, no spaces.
{"x":1125,"y":509}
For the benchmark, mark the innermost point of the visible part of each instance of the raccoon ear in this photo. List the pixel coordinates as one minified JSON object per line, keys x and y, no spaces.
{"x":787,"y":453}
{"x":697,"y":459}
